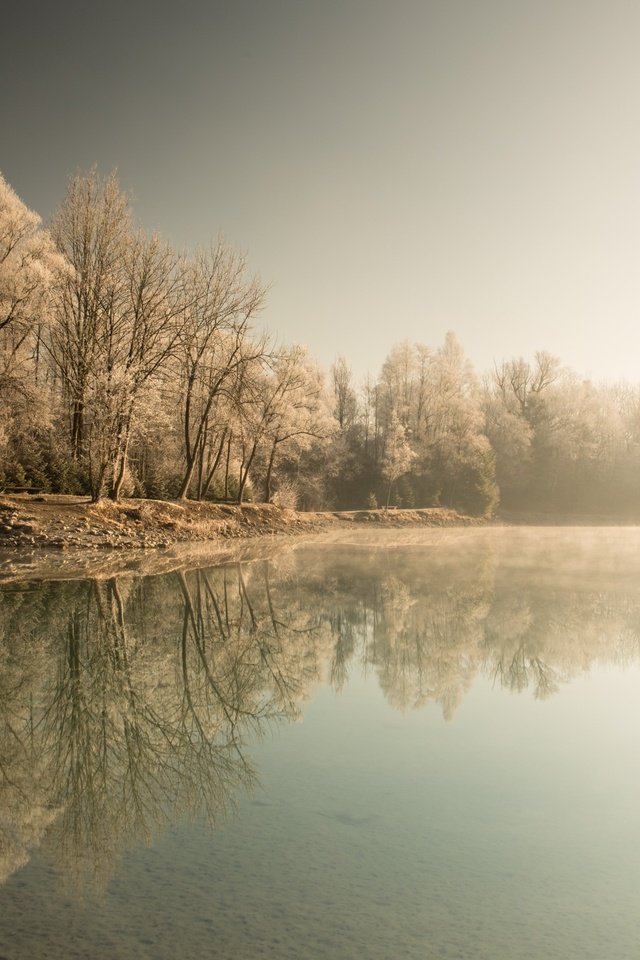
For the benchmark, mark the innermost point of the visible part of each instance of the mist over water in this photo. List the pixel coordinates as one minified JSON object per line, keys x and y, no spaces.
{"x":464,"y":781}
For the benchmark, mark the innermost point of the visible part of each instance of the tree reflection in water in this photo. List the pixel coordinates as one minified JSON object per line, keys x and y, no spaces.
{"x":128,"y":703}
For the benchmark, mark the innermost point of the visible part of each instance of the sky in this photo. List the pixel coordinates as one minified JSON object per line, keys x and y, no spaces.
{"x":393,"y":170}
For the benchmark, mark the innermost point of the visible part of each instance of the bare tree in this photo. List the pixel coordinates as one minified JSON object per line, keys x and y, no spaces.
{"x":519,"y":381}
{"x":92,"y":230}
{"x":215,"y":347}
{"x":346,"y":401}
{"x":298,"y":408}
{"x":144,"y":340}
{"x":117,"y":323}
{"x":286,"y":405}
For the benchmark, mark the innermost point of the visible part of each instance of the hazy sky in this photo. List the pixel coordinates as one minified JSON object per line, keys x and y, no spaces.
{"x":393,"y":169}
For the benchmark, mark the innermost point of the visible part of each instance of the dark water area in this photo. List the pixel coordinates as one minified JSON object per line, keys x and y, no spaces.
{"x":422,"y":747}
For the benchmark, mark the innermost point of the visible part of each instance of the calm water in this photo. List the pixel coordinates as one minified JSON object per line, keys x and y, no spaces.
{"x":427,"y":749}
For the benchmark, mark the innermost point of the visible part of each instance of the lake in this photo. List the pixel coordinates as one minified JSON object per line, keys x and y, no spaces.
{"x":401,"y":745}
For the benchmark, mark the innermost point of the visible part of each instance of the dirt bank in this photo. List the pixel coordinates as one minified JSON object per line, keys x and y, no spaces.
{"x":34,"y":530}
{"x":60,"y":522}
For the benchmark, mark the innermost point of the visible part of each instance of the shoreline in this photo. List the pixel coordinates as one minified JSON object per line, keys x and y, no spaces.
{"x":56,"y":536}
{"x":63,"y":537}
{"x":63,"y":521}
{"x":59,"y":534}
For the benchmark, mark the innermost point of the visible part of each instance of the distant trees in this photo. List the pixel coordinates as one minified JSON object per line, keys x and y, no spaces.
{"x":420,"y":434}
{"x":345,"y":397}
{"x":532,"y":434}
{"x":562,"y":443}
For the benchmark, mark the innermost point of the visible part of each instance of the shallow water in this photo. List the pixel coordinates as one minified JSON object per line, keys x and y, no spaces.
{"x":420,"y":749}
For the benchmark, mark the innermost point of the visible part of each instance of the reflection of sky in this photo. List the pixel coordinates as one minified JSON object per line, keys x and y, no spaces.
{"x":510,"y":832}
{"x":514,"y":825}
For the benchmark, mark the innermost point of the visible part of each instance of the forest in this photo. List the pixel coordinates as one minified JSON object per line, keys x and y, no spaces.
{"x":130,"y":369}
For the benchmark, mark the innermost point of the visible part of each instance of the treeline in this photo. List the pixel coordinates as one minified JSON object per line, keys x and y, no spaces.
{"x":129,"y":369}
{"x":529,"y":435}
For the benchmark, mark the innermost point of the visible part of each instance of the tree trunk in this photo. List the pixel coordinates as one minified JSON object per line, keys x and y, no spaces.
{"x":267,"y":482}
{"x":97,"y":486}
{"x":123,"y":435}
{"x":201,"y":455}
{"x":77,"y":428}
{"x":186,"y":481}
{"x":226,"y":469}
{"x":119,"y":472}
{"x":244,"y":475}
{"x":209,"y":478}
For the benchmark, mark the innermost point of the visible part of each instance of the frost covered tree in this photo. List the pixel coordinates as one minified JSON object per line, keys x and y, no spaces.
{"x":286,"y":409}
{"x":457,"y":458}
{"x":30,"y":269}
{"x":435,"y":396}
{"x":116,"y":325}
{"x":215,"y":351}
{"x":398,"y":455}
{"x":346,"y":400}
{"x":298,"y":409}
{"x":92,"y":230}
{"x":142,"y":343}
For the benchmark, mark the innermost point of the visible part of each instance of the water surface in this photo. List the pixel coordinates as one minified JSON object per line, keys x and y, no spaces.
{"x":423,"y":749}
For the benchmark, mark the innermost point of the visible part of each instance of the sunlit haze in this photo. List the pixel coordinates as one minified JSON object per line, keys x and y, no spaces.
{"x":392,"y":170}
